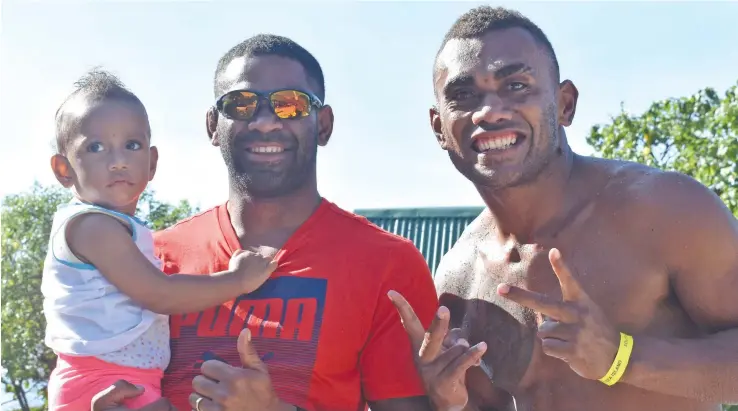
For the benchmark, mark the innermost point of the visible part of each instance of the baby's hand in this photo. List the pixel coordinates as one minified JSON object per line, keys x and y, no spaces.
{"x":253,"y":268}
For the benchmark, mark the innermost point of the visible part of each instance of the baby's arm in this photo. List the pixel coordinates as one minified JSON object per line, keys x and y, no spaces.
{"x":107,"y":244}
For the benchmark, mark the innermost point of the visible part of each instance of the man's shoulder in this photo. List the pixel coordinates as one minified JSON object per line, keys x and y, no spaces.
{"x":362,"y":232}
{"x":663,"y":210}
{"x":648,"y":191}
{"x":458,"y":262}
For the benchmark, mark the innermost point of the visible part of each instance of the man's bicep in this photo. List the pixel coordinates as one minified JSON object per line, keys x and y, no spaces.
{"x":387,"y":361}
{"x":701,"y":251}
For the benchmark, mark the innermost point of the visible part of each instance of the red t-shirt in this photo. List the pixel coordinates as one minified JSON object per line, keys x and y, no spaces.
{"x":322,"y":323}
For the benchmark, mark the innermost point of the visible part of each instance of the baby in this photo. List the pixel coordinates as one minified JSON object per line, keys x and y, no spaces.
{"x":105,"y":299}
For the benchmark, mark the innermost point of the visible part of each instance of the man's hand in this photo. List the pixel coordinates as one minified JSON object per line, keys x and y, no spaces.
{"x":574,"y":330}
{"x":111,"y":398}
{"x":441,"y":366}
{"x":222,"y":387}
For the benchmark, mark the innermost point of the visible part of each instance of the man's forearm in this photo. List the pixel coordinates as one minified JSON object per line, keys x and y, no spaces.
{"x":703,"y":369}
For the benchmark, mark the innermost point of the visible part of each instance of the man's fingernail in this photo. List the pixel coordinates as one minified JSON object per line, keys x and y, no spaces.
{"x":443,"y":312}
{"x":139,"y":387}
{"x":481,"y":346}
{"x":503,"y":288}
{"x":463,"y":342}
{"x":391,"y":294}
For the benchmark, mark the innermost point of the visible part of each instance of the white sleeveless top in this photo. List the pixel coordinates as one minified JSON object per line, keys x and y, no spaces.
{"x":86,"y":315}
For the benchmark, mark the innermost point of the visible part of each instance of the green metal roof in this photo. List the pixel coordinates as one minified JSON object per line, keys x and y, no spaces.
{"x":432,"y":230}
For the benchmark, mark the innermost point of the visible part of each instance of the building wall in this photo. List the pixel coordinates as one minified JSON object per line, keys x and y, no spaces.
{"x":432,"y":230}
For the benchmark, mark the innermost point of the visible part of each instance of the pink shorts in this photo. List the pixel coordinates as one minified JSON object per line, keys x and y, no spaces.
{"x":75,"y":380}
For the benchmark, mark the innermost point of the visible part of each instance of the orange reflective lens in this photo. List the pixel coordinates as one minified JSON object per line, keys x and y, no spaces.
{"x":285,"y":104}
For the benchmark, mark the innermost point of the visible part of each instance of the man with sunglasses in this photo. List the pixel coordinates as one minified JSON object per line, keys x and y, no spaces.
{"x":586,"y":284}
{"x":321,"y":333}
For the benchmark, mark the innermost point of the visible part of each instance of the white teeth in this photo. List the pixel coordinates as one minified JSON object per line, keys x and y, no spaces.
{"x":266,"y":149}
{"x":496,"y":143}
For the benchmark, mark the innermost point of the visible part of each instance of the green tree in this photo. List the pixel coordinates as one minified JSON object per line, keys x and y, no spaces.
{"x":695,"y":135}
{"x":26,"y":224}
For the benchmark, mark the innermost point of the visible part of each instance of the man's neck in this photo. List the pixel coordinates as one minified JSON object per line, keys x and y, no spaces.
{"x":262,"y":215}
{"x":526,"y":212}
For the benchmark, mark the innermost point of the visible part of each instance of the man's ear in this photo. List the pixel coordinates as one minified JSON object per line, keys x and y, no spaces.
{"x":435,"y":123}
{"x":211,"y":125}
{"x":63,"y":170}
{"x":325,"y":125}
{"x":568,"y":95}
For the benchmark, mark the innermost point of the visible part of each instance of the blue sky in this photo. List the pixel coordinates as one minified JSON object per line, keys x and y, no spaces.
{"x":377,"y":58}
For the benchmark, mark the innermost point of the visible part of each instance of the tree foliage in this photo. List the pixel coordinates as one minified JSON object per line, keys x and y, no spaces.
{"x":26,"y":224}
{"x":695,"y":135}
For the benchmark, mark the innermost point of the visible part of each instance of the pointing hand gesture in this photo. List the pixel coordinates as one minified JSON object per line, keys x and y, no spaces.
{"x":574,"y":329}
{"x":441,"y":366}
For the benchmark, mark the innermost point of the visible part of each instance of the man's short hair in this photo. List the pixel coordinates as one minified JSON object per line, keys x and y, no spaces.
{"x":478,"y":21}
{"x":94,"y":86}
{"x":272,"y":45}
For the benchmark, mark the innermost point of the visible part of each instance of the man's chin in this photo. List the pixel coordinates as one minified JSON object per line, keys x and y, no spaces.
{"x":257,"y":186}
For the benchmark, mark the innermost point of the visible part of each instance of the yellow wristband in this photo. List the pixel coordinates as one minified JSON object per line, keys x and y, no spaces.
{"x":621,"y":360}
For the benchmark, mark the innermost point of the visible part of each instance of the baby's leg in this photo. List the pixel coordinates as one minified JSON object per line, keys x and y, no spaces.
{"x":75,"y":381}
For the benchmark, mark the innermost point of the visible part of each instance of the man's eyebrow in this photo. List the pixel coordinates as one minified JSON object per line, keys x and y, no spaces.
{"x":465,"y":80}
{"x":510,"y":69}
{"x":462,"y":80}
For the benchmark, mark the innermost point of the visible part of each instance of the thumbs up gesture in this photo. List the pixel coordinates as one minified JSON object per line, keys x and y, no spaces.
{"x":223,"y":387}
{"x":575,"y":329}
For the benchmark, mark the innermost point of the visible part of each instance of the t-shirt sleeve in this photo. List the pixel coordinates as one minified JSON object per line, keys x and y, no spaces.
{"x":387,"y":364}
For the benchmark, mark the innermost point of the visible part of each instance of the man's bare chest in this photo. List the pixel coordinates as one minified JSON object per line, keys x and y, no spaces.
{"x":618,"y":277}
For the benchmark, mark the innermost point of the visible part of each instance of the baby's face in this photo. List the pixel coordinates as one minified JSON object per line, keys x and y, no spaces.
{"x":111,"y":158}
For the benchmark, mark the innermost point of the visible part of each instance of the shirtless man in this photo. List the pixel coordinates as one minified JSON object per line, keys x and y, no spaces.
{"x":569,"y":252}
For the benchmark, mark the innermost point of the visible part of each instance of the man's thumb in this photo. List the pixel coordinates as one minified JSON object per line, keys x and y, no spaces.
{"x":247,"y":352}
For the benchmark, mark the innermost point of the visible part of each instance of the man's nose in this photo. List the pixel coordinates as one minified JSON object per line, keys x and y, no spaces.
{"x":264,"y":120}
{"x":493,"y":110}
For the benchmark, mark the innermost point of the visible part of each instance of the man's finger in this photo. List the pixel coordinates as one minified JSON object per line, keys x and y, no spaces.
{"x":247,"y":352}
{"x":451,"y":337}
{"x":563,"y":350}
{"x":410,"y":321}
{"x":557,"y":330}
{"x":216,"y":370}
{"x":204,"y":404}
{"x":570,"y":288}
{"x":208,"y":388}
{"x":433,"y":339}
{"x":538,"y":302}
{"x":447,"y":357}
{"x":114,"y":395}
{"x":469,"y":358}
